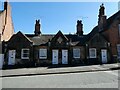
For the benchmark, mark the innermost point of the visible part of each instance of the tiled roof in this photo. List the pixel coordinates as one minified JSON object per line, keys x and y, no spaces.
{"x":92,"y":33}
{"x":75,"y":39}
{"x":24,"y":36}
{"x":44,"y":38}
{"x":112,"y":18}
{"x":40,"y":40}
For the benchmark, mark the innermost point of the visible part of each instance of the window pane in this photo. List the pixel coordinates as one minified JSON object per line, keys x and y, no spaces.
{"x":25,"y":51}
{"x":43,"y":53}
{"x":92,"y":52}
{"x":76,"y":53}
{"x":25,"y":54}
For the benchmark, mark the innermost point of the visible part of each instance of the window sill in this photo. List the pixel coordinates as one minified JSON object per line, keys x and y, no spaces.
{"x":76,"y":57}
{"x":25,"y":58}
{"x":42,"y":58}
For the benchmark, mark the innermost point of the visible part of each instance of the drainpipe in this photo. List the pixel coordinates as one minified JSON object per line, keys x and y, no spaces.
{"x":87,"y":57}
{"x":109,"y":52}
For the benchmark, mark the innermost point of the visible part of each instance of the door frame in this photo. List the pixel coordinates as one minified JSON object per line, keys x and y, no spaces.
{"x":9,"y":59}
{"x":104,"y":60}
{"x":66,"y":56}
{"x":57,"y":51}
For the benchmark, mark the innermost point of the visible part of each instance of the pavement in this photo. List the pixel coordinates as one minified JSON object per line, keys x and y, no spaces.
{"x":59,"y":70}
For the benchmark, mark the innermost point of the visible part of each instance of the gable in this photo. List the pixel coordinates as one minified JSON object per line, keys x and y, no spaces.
{"x":59,"y":37}
{"x":19,"y":38}
{"x":97,"y":40}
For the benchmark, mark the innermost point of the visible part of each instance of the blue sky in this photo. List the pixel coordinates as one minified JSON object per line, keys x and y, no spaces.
{"x":56,"y":16}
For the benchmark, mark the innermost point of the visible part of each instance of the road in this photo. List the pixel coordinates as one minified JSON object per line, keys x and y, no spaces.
{"x":102,"y":79}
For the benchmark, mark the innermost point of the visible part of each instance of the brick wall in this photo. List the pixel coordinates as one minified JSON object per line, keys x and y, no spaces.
{"x":113,"y":36}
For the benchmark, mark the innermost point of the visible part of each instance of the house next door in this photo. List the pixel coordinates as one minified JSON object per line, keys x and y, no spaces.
{"x":64,"y":56}
{"x":54,"y":56}
{"x":11,"y":57}
{"x":104,"y":55}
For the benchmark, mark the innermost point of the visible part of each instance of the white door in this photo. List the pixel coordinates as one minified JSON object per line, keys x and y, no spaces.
{"x":54,"y":56}
{"x":1,"y":60}
{"x":104,"y":55}
{"x":11,"y":58}
{"x":64,"y":56}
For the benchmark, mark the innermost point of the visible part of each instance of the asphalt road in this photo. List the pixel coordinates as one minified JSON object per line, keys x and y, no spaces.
{"x":102,"y":79}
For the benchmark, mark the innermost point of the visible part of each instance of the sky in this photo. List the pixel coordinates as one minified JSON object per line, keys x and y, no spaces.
{"x":55,"y":16}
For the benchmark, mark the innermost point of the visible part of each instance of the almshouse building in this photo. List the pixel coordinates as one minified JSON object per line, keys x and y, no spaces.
{"x":101,"y":45}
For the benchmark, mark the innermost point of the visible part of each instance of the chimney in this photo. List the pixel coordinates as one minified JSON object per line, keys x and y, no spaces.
{"x":101,"y":10}
{"x":5,"y":5}
{"x":37,"y":28}
{"x":79,"y":27}
{"x":102,"y":18}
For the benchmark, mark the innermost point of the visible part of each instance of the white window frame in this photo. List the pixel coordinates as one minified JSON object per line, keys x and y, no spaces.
{"x":118,"y":51}
{"x":90,"y":55}
{"x":119,"y":29}
{"x":22,"y":53}
{"x":41,"y":51}
{"x":74,"y":52}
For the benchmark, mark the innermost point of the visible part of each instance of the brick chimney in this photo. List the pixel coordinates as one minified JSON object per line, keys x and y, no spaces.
{"x":5,"y":5}
{"x":37,"y":28}
{"x":79,"y":27}
{"x":102,"y":18}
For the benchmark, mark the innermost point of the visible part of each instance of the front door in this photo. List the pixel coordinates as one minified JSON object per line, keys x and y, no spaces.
{"x":54,"y":56}
{"x":64,"y":56}
{"x":104,"y":55}
{"x":11,"y":57}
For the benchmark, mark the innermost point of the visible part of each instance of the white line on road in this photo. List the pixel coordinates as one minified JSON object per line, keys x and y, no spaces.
{"x":113,"y":73}
{"x":110,"y":72}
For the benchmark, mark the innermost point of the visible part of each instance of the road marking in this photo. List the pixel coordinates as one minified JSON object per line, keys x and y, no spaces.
{"x":110,"y":72}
